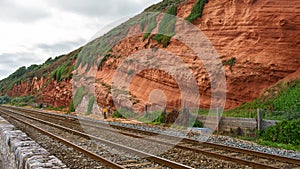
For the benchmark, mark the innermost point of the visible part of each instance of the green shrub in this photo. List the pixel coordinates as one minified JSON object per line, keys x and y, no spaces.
{"x":51,"y":66}
{"x":279,"y":145}
{"x":22,"y":101}
{"x":79,"y":94}
{"x":90,"y":105}
{"x":230,"y":62}
{"x":197,"y":11}
{"x":104,"y":59}
{"x":117,"y":114}
{"x":40,"y":106}
{"x":286,"y":132}
{"x":63,"y":72}
{"x":163,"y":5}
{"x":167,"y":27}
{"x":161,"y":118}
{"x":130,"y":72}
{"x":198,"y":124}
{"x":289,"y":97}
{"x":281,"y":103}
{"x":127,"y":113}
{"x":71,"y":107}
{"x":4,"y":99}
{"x":60,"y":108}
{"x":152,"y":23}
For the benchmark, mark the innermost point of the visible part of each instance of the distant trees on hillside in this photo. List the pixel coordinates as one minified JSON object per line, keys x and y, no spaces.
{"x":4,"y":99}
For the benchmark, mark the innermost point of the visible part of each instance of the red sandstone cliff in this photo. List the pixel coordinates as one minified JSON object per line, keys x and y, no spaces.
{"x":263,"y":36}
{"x":46,"y":91}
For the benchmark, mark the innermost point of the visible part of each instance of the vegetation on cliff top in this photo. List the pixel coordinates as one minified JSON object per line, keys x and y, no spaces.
{"x":167,"y":27}
{"x":159,"y":7}
{"x":97,"y":51}
{"x":196,"y":11}
{"x":59,"y":68}
{"x":151,"y":22}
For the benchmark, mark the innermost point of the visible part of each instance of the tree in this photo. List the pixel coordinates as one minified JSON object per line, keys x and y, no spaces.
{"x":4,"y":100}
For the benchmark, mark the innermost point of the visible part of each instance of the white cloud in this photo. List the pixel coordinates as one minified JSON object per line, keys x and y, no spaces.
{"x":13,"y":11}
{"x":102,"y":8}
{"x":31,"y":31}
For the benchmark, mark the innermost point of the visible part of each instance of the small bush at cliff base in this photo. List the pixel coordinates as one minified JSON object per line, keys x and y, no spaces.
{"x":71,"y":107}
{"x":80,"y":93}
{"x":22,"y":101}
{"x":198,"y":123}
{"x":4,"y":100}
{"x":117,"y":114}
{"x":90,"y":105}
{"x":285,"y":132}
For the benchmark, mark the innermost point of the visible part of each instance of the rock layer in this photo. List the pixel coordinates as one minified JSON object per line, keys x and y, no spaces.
{"x":261,"y":35}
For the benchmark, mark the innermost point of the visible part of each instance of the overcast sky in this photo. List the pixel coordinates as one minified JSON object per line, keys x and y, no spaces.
{"x":31,"y":31}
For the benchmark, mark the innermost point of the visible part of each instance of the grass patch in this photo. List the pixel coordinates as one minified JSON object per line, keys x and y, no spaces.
{"x":285,"y":132}
{"x":79,"y":94}
{"x":283,"y":135}
{"x":166,"y":27}
{"x":279,"y":145}
{"x":281,"y":103}
{"x":156,"y":117}
{"x":230,"y":62}
{"x":165,"y":4}
{"x":22,"y":101}
{"x":60,"y":108}
{"x":71,"y":107}
{"x":197,"y":11}
{"x":152,"y":23}
{"x":90,"y":105}
{"x":130,"y":72}
{"x":46,"y":69}
{"x":124,"y":113}
{"x":117,"y":114}
{"x":4,"y":99}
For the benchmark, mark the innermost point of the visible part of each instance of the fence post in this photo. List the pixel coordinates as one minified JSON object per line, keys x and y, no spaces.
{"x":146,"y":111}
{"x":186,"y":116}
{"x":218,"y":119}
{"x":259,"y":119}
{"x":164,"y":113}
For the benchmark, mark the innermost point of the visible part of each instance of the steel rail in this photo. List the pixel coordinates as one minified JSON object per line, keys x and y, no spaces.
{"x":213,"y":145}
{"x":68,"y":143}
{"x":151,"y":157}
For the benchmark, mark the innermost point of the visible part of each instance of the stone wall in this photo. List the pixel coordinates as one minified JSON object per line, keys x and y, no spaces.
{"x":18,"y":151}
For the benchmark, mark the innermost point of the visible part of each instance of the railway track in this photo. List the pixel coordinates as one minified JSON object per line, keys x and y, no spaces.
{"x":237,"y":155}
{"x":51,"y":133}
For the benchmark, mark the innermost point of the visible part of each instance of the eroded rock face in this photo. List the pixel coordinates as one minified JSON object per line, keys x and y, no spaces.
{"x":45,"y":91}
{"x":262,"y":36}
